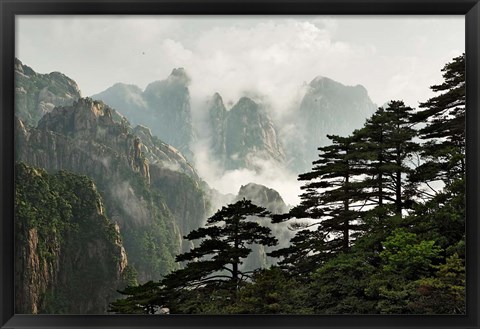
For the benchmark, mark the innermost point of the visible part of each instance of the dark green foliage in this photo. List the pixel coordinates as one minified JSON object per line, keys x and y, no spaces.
{"x":385,"y":144}
{"x":329,"y":199}
{"x":338,"y":287}
{"x":271,"y":292}
{"x":226,"y":240}
{"x":444,"y":131}
{"x":140,"y":300}
{"x":64,"y":241}
{"x":444,"y":292}
{"x":306,"y":252}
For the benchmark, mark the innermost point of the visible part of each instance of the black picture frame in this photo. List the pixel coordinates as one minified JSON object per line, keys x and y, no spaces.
{"x":10,"y":8}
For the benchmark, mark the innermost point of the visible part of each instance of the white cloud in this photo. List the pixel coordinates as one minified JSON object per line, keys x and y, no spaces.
{"x":270,"y":55}
{"x":267,"y":172}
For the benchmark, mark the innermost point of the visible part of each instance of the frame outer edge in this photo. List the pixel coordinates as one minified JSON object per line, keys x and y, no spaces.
{"x":6,"y":165}
{"x":472,"y":34}
{"x":472,"y":38}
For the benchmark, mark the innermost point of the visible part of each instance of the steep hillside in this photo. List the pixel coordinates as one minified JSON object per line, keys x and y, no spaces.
{"x":136,"y":173}
{"x":69,"y":255}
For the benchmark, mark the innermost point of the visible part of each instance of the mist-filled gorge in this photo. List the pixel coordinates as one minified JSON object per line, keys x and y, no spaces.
{"x":214,"y":189}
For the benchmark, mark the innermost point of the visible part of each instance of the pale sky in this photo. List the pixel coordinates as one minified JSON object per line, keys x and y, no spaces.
{"x":393,"y":57}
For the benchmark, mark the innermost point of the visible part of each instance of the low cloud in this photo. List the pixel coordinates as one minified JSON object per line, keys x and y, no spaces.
{"x":268,"y":173}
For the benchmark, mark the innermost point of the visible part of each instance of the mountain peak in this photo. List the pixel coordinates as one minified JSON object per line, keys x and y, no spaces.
{"x":179,"y":75}
{"x":216,"y":96}
{"x":83,"y":117}
{"x":246,"y":102}
{"x":321,"y":82}
{"x":216,"y":100}
{"x":263,"y":196}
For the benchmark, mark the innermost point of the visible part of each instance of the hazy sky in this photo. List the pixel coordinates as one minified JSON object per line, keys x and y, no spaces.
{"x":273,"y":57}
{"x":393,"y":57}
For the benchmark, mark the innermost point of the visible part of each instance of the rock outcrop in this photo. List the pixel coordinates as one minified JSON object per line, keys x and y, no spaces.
{"x":217,"y":126}
{"x":244,"y":136}
{"x":37,"y":94}
{"x":328,"y":107}
{"x":273,"y":202}
{"x":164,"y":107}
{"x":263,"y":196}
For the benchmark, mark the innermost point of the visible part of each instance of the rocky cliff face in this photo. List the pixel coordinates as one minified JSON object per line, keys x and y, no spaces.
{"x":164,"y":107}
{"x":263,"y":196}
{"x":137,"y":174}
{"x":328,"y":107}
{"x":37,"y":94}
{"x":273,"y":202}
{"x":242,"y":136}
{"x":217,"y":126}
{"x":69,"y":255}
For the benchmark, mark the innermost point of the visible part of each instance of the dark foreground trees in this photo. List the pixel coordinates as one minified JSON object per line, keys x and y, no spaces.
{"x":383,"y":228}
{"x":212,"y":275}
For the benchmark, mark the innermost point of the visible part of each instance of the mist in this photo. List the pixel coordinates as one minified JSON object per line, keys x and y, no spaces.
{"x":267,"y":172}
{"x":271,"y":56}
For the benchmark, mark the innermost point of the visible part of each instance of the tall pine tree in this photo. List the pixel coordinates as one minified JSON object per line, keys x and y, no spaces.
{"x":328,"y":205}
{"x":226,"y":241}
{"x":386,"y":146}
{"x":444,"y":130}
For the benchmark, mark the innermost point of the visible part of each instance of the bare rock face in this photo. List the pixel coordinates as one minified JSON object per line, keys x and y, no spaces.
{"x":91,"y":122}
{"x":273,"y":202}
{"x":243,"y":136}
{"x":164,"y":106}
{"x":328,"y":107}
{"x":250,"y":135}
{"x":37,"y":94}
{"x":217,"y":119}
{"x":263,"y":196}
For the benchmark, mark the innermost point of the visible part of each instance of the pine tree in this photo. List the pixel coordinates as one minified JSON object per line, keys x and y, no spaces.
{"x":331,"y":191}
{"x":386,"y":145}
{"x":329,"y":201}
{"x":444,"y":131}
{"x":226,"y":240}
{"x":143,"y":299}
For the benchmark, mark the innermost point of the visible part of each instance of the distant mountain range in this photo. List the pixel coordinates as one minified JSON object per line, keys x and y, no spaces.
{"x":241,"y":136}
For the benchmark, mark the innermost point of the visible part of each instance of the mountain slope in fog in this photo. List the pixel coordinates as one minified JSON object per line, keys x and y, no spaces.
{"x":243,"y":135}
{"x":328,"y":107}
{"x":271,"y":200}
{"x":164,"y":106}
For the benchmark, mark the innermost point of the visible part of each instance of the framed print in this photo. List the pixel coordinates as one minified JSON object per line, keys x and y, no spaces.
{"x":228,"y":164}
